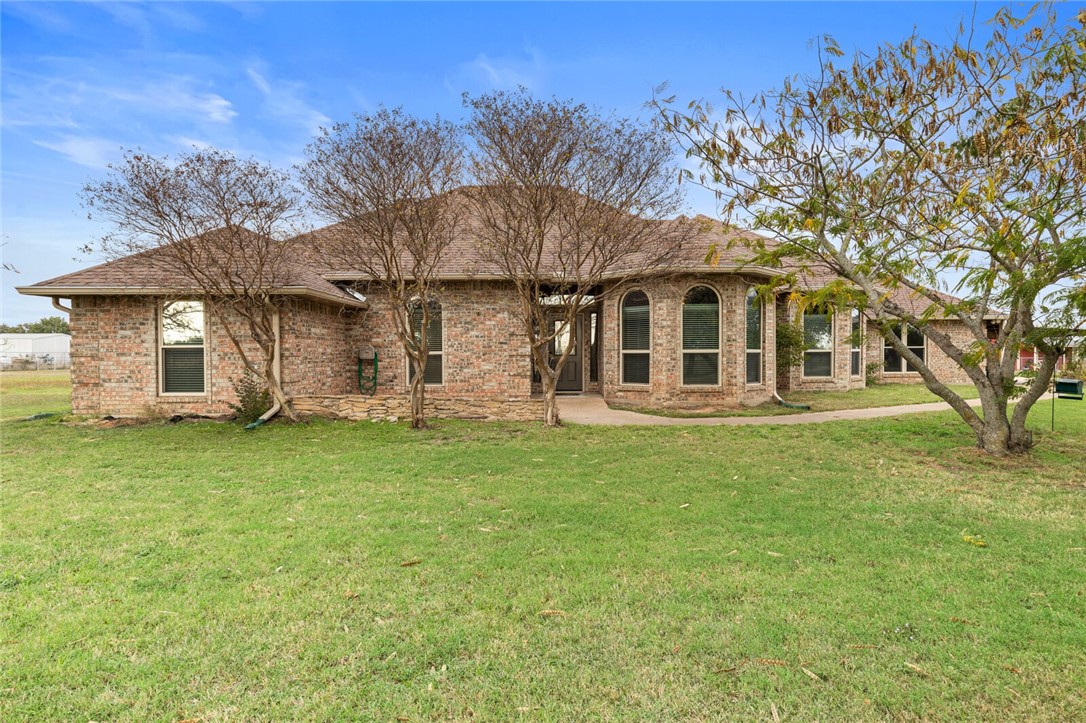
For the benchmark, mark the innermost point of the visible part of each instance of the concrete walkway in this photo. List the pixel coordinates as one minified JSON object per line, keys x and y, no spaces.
{"x":591,"y":409}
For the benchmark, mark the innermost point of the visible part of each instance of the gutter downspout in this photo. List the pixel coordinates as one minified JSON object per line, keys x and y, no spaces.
{"x":59,"y":306}
{"x":786,"y":405}
{"x":276,"y":369}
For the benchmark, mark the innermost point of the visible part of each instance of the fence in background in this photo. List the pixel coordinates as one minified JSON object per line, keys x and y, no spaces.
{"x":34,"y":362}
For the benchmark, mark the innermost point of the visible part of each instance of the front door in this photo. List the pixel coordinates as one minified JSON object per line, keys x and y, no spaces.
{"x":570,"y":378}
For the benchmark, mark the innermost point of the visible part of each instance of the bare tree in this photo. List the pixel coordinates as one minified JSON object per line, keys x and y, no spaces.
{"x":213,"y":226}
{"x":389,"y":179}
{"x":571,"y":204}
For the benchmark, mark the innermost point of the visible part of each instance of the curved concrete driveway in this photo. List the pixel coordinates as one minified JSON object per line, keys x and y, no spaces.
{"x":591,"y":409}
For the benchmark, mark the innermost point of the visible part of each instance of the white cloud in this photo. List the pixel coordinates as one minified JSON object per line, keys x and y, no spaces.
{"x":283,"y":100}
{"x":91,"y":152}
{"x":176,"y":95}
{"x":499,"y":72}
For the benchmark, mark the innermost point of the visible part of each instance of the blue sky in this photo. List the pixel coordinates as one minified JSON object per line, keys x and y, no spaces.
{"x":81,"y":81}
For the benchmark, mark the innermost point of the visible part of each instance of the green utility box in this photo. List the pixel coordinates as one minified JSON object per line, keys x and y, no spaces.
{"x":1069,"y":388}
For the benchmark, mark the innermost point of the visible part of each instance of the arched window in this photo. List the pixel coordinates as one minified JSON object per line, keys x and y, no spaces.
{"x":701,"y":337}
{"x":755,"y":336}
{"x":435,"y":357}
{"x":636,"y":339}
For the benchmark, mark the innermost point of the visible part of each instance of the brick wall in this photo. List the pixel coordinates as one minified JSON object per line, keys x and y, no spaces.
{"x":485,"y":348}
{"x":115,"y":357}
{"x":398,"y":408}
{"x":665,"y":386}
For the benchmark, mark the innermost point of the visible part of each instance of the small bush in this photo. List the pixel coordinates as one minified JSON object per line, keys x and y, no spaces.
{"x":871,"y":373}
{"x":253,"y":398}
{"x":791,"y":344}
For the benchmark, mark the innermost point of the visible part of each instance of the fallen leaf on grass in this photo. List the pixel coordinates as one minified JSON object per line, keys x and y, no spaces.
{"x":552,"y":613}
{"x":732,"y":552}
{"x":775,"y":554}
{"x":918,"y":669}
{"x":811,"y":675}
{"x":975,"y":540}
{"x":410,"y":563}
{"x":862,"y":646}
{"x":776,"y":715}
{"x":683,"y":507}
{"x":485,"y":529}
{"x":351,"y":595}
{"x":771,"y":661}
{"x":1013,"y":692}
{"x":962,"y":621}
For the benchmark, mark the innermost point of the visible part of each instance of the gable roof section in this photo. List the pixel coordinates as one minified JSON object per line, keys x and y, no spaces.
{"x":817,"y":276}
{"x":140,"y":274}
{"x":464,"y":259}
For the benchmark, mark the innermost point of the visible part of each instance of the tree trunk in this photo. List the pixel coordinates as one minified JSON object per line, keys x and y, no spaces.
{"x":1002,"y":433}
{"x":418,"y":394}
{"x":550,"y":405}
{"x":549,"y":379}
{"x":275,"y":388}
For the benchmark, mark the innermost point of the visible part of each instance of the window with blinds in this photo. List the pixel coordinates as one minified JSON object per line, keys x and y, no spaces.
{"x":895,"y":363}
{"x":636,"y":338}
{"x":435,"y":353}
{"x":701,"y":337}
{"x":818,"y":338}
{"x":182,"y":347}
{"x":856,"y":361}
{"x":754,"y":338}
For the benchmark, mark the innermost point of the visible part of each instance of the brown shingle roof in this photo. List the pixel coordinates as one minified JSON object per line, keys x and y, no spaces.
{"x":148,"y":273}
{"x":309,"y":271}
{"x":817,"y":276}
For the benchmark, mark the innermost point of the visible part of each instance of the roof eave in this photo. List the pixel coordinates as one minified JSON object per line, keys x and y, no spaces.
{"x":721,"y":269}
{"x":68,"y":292}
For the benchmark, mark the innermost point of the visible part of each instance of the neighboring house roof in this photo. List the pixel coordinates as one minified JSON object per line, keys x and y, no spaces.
{"x":16,"y":335}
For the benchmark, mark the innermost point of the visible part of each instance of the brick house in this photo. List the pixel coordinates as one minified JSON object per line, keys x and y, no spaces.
{"x":695,"y":336}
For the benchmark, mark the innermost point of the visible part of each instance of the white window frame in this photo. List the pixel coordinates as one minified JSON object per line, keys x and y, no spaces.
{"x":622,"y":352}
{"x":830,"y":351}
{"x":857,"y":344}
{"x":407,"y":357}
{"x":903,"y":327}
{"x":162,"y":346}
{"x":719,"y":340}
{"x":761,"y":340}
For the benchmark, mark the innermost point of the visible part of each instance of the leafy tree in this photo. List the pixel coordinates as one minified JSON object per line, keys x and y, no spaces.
{"x":567,"y":199}
{"x":45,"y":325}
{"x":215,"y":224}
{"x":962,"y":160}
{"x":389,"y":178}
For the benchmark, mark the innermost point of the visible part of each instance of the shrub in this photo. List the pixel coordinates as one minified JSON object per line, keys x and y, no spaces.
{"x":253,"y":398}
{"x":790,"y":346}
{"x":871,"y":373}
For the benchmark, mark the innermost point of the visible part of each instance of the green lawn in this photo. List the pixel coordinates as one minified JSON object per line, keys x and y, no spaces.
{"x":26,"y":393}
{"x":879,"y":395}
{"x":333,"y":571}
